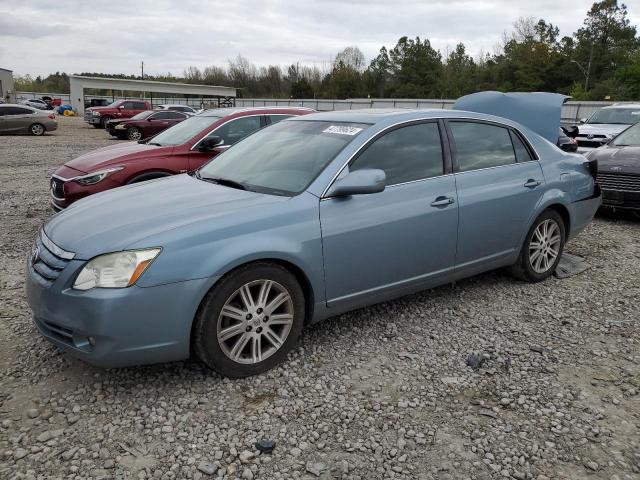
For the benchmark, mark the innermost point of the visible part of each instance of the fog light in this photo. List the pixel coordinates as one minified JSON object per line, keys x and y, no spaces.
{"x":92,"y":341}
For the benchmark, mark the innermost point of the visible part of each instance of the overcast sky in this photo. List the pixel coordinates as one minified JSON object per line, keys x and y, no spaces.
{"x":38,"y":37}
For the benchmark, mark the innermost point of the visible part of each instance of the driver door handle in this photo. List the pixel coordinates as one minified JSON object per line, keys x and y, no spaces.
{"x":442,"y":201}
{"x":531,"y":183}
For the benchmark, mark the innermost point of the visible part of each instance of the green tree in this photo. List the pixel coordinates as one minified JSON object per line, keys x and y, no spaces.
{"x":416,"y":67}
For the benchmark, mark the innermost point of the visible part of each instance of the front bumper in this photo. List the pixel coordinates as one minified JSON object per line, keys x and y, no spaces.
{"x":69,"y":192}
{"x":115,"y":327}
{"x":622,"y":200}
{"x":92,"y":119}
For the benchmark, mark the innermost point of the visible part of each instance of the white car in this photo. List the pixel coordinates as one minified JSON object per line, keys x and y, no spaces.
{"x":605,"y":124}
{"x":177,"y":107}
{"x":35,"y":103}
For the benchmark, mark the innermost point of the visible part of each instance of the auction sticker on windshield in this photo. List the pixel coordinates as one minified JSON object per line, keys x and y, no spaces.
{"x":342,"y":130}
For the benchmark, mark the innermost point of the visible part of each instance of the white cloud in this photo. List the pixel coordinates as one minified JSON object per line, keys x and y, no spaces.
{"x":43,"y":36}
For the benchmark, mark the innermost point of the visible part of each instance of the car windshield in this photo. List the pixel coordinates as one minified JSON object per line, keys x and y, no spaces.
{"x":629,"y":138}
{"x":622,"y":116}
{"x":284,"y":158}
{"x":183,"y":131}
{"x":142,"y":115}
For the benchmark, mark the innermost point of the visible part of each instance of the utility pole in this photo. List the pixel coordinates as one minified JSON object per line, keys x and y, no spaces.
{"x":142,"y":68}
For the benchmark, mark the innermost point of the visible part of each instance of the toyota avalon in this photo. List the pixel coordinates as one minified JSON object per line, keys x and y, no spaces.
{"x":309,"y":218}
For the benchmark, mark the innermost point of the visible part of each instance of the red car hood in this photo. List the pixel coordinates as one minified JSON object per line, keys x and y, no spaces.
{"x":115,"y":154}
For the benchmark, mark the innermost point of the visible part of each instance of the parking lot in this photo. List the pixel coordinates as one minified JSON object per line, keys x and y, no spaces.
{"x":552,"y":391}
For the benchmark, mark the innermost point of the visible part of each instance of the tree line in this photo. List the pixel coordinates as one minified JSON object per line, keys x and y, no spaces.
{"x":600,"y":61}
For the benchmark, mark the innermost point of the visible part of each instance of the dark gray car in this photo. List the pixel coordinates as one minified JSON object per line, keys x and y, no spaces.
{"x":24,"y":119}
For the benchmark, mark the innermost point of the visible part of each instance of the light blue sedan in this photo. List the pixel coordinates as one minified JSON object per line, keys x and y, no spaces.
{"x":306,"y":219}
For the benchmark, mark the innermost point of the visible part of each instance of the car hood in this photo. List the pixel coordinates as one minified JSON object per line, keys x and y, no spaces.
{"x":617,"y":159}
{"x":610,"y":129}
{"x":121,"y":218}
{"x":538,"y":111}
{"x":115,"y":154}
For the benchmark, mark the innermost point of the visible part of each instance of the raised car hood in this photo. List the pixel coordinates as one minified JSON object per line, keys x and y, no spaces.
{"x":617,"y":159}
{"x":539,"y":111}
{"x":117,"y":219}
{"x":113,"y":154}
{"x":610,"y":129}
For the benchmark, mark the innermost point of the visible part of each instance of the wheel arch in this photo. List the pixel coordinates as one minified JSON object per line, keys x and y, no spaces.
{"x":293,"y":268}
{"x":160,"y":172}
{"x":564,"y":214}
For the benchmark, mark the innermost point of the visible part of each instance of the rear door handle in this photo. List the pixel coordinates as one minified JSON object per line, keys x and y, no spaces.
{"x":531,"y":183}
{"x":442,"y":201}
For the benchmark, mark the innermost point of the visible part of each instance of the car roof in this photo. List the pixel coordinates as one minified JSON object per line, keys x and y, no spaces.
{"x":224,"y":112}
{"x":375,"y":116}
{"x":174,"y":105}
{"x":21,"y":105}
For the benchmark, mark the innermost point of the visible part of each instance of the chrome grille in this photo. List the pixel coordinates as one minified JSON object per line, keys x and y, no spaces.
{"x":87,"y":115}
{"x":57,"y":188}
{"x":48,"y":260}
{"x":623,"y":182}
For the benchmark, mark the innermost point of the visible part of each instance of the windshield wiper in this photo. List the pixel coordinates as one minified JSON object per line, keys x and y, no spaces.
{"x":153,"y":143}
{"x":223,"y":181}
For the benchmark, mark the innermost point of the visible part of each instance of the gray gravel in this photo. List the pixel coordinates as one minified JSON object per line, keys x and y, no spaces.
{"x":490,"y":378}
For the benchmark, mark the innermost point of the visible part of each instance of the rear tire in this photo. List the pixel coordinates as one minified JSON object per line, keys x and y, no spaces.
{"x":37,"y":129}
{"x":250,"y":320}
{"x":542,"y":249}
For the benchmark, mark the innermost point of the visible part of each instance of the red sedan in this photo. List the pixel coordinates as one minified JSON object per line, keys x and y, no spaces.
{"x":144,"y":124}
{"x":182,"y":148}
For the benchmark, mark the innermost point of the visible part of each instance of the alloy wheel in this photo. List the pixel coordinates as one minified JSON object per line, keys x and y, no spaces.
{"x":255,"y":321}
{"x":544,"y":246}
{"x":134,"y":133}
{"x":37,"y":129}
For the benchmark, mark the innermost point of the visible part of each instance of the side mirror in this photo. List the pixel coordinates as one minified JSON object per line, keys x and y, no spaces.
{"x":121,"y":107}
{"x":209,"y":143}
{"x":359,"y":182}
{"x":571,"y":131}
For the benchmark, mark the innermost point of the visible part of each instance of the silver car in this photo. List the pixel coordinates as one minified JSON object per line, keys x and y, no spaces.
{"x":23,"y":119}
{"x":605,"y":124}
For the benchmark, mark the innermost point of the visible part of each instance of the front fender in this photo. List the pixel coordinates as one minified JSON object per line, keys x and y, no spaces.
{"x":288,"y":231}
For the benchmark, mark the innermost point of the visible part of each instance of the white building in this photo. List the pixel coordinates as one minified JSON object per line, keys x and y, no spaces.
{"x":7,"y":88}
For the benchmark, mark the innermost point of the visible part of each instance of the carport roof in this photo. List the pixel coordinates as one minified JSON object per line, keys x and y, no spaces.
{"x":153,"y":86}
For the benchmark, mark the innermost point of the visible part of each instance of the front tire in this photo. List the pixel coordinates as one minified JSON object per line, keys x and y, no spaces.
{"x":37,"y":129}
{"x":250,"y":320}
{"x":134,"y":133}
{"x":103,"y":122}
{"x":542,"y":248}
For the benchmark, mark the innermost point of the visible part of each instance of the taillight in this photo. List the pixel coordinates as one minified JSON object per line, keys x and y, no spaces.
{"x":51,"y":116}
{"x":592,"y":166}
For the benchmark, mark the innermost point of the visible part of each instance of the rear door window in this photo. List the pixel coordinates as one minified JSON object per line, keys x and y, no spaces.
{"x":481,"y":145}
{"x":405,"y":154}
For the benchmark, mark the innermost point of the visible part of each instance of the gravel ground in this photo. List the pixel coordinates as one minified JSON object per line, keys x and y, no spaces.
{"x":382,"y":392}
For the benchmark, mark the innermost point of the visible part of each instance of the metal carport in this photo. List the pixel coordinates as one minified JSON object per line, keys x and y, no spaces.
{"x":225,"y":95}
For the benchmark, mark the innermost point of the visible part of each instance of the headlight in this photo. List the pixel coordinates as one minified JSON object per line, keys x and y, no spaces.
{"x":120,"y":126}
{"x":95,"y":177}
{"x":115,"y":270}
{"x":94,"y":113}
